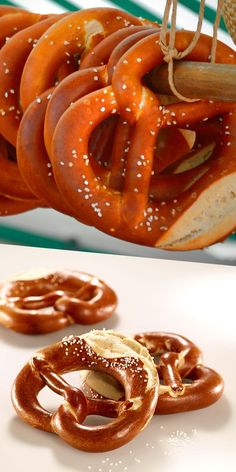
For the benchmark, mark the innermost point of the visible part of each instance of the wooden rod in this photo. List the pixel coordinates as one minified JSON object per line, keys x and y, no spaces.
{"x":197,"y":80}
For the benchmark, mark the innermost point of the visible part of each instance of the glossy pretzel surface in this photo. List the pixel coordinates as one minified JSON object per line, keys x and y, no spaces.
{"x":50,"y":302}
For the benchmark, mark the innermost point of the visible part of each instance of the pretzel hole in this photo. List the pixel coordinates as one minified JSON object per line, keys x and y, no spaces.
{"x":101,"y":141}
{"x":187,"y":381}
{"x":11,"y":152}
{"x":49,"y":399}
{"x":156,"y":358}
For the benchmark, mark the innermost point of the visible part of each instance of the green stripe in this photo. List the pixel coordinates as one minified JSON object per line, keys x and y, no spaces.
{"x":18,"y":236}
{"x":136,"y":10}
{"x":68,"y":5}
{"x":6,"y":2}
{"x":209,"y":13}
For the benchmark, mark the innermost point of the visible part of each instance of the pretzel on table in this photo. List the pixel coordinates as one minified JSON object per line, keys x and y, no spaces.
{"x":108,"y":352}
{"x":35,"y":305}
{"x":185,"y":383}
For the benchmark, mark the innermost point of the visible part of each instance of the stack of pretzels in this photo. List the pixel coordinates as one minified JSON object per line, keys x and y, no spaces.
{"x":82,"y":131}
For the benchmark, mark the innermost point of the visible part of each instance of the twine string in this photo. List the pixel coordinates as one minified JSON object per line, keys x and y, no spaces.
{"x":169,"y":50}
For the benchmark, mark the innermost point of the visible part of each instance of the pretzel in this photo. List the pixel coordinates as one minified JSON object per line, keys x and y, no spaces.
{"x":11,"y":110}
{"x":16,"y":21}
{"x":33,"y":161}
{"x":129,"y":214}
{"x":23,"y":42}
{"x":105,"y":351}
{"x":180,"y":359}
{"x":32,"y":158}
{"x":35,"y":305}
{"x":82,"y":83}
{"x":185,"y":384}
{"x":11,"y":182}
{"x":75,"y":34}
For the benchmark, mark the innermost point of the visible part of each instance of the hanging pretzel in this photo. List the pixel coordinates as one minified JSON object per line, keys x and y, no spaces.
{"x":130,"y":214}
{"x":75,"y":34}
{"x":185,"y":384}
{"x":32,"y":159}
{"x":11,"y":182}
{"x":78,"y":85}
{"x":104,"y":351}
{"x":55,"y":300}
{"x":23,"y":42}
{"x":11,"y":111}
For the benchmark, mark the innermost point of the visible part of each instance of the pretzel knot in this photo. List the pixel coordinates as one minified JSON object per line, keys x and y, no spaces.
{"x":33,"y":305}
{"x":185,"y":383}
{"x":105,"y":351}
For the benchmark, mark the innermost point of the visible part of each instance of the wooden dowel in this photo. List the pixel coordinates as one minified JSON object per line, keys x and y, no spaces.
{"x":197,"y":80}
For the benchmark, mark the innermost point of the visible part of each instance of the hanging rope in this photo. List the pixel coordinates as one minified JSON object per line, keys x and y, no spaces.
{"x":169,"y":50}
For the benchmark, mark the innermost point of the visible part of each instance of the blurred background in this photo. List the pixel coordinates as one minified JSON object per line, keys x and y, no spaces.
{"x":48,"y":228}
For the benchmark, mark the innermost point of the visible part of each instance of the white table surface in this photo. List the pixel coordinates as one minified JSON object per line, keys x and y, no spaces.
{"x":195,"y":300}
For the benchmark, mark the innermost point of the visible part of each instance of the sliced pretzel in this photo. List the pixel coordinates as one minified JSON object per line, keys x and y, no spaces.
{"x":185,"y":384}
{"x":106,"y":351}
{"x":35,"y":305}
